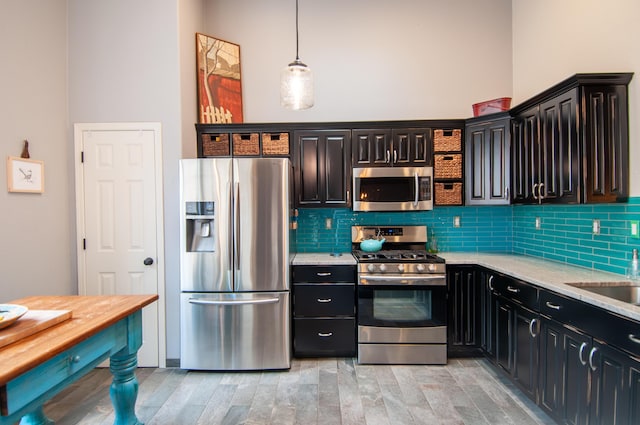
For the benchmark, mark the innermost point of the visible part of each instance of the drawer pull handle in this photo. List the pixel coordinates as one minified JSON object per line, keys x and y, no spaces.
{"x":634,"y":338}
{"x":323,"y":274}
{"x":553,"y":306}
{"x":512,"y":289}
{"x":324,"y":300}
{"x":325,"y":335}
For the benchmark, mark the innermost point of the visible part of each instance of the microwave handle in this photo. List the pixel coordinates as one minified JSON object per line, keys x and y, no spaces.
{"x":417,"y":186}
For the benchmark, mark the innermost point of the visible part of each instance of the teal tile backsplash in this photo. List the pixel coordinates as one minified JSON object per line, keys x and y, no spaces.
{"x":565,"y":233}
{"x":482,"y":228}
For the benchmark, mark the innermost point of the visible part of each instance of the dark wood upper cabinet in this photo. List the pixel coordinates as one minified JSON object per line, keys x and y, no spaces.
{"x":392,"y":147}
{"x":570,"y":143}
{"x":322,"y":168}
{"x":487,"y":160}
{"x":605,"y":118}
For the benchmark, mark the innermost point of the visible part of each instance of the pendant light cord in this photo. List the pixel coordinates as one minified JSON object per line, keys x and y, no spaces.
{"x":297,"y":57}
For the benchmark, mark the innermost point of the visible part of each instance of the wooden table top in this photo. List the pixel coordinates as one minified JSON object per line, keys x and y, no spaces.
{"x":91,"y":314}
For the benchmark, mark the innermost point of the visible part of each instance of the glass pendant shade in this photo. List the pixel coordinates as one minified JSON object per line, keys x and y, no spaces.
{"x":296,"y":86}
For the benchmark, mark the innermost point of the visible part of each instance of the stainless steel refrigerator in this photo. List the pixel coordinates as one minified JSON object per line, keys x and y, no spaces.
{"x":234,"y":265}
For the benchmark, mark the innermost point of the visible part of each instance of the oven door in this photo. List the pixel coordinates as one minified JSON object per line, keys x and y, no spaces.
{"x":392,"y":189}
{"x":402,"y":306}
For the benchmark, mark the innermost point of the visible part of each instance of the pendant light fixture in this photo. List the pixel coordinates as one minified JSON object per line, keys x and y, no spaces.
{"x":296,"y":82}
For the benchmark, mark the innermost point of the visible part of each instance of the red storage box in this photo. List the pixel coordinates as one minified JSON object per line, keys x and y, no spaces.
{"x":491,"y":106}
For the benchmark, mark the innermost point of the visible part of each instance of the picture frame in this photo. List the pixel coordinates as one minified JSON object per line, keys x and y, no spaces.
{"x":219,"y":81}
{"x":25,"y":175}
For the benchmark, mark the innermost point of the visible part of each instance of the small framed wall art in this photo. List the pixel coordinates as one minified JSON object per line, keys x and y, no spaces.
{"x":25,"y":175}
{"x":219,"y":82}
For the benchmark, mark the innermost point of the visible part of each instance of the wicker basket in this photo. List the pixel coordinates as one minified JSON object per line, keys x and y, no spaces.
{"x":215,"y":145}
{"x":447,"y":166}
{"x":275,"y":143}
{"x":448,"y":193}
{"x":246,"y":144}
{"x":447,"y":140}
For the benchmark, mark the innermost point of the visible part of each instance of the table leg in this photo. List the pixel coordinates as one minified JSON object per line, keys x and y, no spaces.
{"x":37,"y":417}
{"x":124,"y":388}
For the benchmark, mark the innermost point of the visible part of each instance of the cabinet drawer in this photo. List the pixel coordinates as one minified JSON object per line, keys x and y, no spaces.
{"x":517,"y":290}
{"x":320,"y":274}
{"x":324,"y":300}
{"x":604,"y":325}
{"x":324,"y":337}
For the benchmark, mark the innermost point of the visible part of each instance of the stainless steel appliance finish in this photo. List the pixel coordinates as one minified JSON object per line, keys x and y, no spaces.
{"x":401,"y":298}
{"x":393,"y":189}
{"x":234,"y":263}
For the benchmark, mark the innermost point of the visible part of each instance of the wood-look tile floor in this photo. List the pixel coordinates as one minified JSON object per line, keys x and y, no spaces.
{"x":314,"y":391}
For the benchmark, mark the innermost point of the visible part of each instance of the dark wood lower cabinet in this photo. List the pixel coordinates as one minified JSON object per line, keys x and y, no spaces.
{"x":464,"y":325}
{"x":585,"y":381}
{"x":324,"y":321}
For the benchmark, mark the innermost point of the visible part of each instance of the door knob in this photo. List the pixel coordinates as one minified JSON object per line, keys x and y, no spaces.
{"x":148,"y":261}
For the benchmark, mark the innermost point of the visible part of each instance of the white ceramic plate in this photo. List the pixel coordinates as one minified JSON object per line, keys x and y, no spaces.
{"x":9,"y":313}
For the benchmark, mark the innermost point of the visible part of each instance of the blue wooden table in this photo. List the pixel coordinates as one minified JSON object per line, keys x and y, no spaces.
{"x":35,"y":368}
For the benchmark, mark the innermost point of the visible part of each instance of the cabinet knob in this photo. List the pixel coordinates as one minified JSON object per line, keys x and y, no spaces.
{"x":148,"y":261}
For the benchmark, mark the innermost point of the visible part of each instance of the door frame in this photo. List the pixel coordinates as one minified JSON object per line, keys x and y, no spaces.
{"x":155,"y":127}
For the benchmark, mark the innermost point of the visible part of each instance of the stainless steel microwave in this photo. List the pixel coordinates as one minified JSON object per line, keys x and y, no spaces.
{"x":393,"y":189}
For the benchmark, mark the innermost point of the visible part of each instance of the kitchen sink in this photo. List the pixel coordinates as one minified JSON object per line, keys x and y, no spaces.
{"x":625,"y":291}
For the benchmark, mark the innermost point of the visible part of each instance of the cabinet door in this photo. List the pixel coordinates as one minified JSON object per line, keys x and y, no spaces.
{"x":606,"y":142}
{"x":559,"y":150}
{"x":487,"y":162}
{"x":338,"y":169}
{"x":526,"y":348}
{"x":551,"y":367}
{"x":609,"y":393}
{"x":575,"y":389}
{"x":371,"y":148}
{"x":525,"y":157}
{"x":412,"y":147}
{"x":464,"y":311}
{"x":633,"y":411}
{"x":504,"y":334}
{"x":488,"y":298}
{"x":323,"y":168}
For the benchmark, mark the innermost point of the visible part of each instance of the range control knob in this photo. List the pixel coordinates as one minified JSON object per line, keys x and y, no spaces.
{"x":371,"y":268}
{"x":400,"y":268}
{"x":420,"y":267}
{"x":383,"y":268}
{"x":432,"y":267}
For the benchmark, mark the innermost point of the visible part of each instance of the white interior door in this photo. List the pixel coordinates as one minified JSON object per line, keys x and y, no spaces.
{"x":120,"y":220}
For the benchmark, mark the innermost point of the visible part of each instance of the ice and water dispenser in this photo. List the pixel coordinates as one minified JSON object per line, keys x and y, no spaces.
{"x":200,"y":227}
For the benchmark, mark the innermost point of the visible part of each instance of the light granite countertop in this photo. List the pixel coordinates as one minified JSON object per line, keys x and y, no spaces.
{"x":549,"y":275}
{"x":323,"y":259}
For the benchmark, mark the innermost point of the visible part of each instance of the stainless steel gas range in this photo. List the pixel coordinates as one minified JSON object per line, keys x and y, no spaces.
{"x":402,"y":293}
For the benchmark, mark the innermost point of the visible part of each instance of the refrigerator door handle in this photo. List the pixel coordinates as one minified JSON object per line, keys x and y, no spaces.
{"x":236,"y":218}
{"x":231,"y":224}
{"x":233,"y":302}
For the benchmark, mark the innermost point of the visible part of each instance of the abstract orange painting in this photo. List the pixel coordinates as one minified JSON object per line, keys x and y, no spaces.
{"x":219,"y":82}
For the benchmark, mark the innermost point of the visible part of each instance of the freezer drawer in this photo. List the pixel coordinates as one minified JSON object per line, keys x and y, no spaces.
{"x":235,"y":331}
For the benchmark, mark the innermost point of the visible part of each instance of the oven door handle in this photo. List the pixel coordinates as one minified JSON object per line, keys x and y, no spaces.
{"x":429,"y":280}
{"x":417,"y":194}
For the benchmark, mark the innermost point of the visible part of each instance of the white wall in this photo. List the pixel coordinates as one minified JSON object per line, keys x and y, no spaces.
{"x":36,"y":246}
{"x":553,"y":40}
{"x":124,"y":65}
{"x":372,"y":59}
